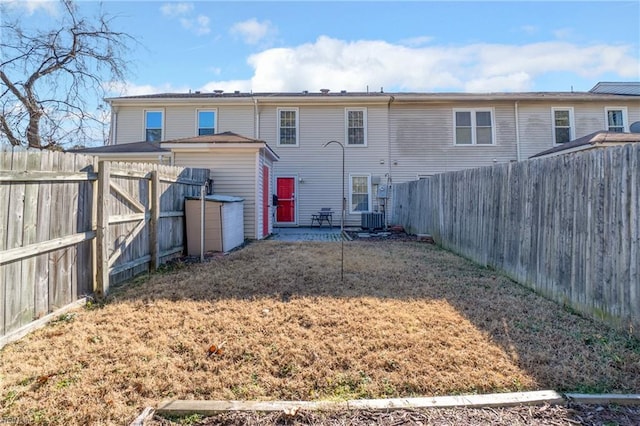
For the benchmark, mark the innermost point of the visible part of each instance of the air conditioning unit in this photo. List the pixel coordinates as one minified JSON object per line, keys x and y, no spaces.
{"x":372,"y":220}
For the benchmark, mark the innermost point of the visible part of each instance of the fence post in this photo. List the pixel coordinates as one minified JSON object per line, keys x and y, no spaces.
{"x":102,"y":230}
{"x":154,"y":239}
{"x":94,"y":227}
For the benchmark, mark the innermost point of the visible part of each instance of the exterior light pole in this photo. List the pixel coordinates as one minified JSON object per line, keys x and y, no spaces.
{"x":344,"y":203}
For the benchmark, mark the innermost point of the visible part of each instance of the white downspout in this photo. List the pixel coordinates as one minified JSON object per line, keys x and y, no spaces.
{"x":114,"y":127}
{"x":256,"y":114}
{"x":518,"y":153}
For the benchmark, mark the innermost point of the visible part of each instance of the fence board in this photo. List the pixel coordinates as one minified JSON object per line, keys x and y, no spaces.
{"x":6,"y":157}
{"x":13,"y":270}
{"x":55,"y":210}
{"x":567,"y":226}
{"x":41,"y":290}
{"x":27,"y":301}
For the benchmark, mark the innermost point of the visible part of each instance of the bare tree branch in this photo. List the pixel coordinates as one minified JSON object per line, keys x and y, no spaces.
{"x":50,"y":77}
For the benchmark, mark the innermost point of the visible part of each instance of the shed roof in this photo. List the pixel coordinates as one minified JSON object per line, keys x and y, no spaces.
{"x":597,"y":138}
{"x":225,"y":139}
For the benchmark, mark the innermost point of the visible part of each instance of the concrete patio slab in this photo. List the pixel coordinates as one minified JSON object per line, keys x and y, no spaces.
{"x":323,"y":233}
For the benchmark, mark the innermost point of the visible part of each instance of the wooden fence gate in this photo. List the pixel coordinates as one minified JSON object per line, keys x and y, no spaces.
{"x":140,"y":217}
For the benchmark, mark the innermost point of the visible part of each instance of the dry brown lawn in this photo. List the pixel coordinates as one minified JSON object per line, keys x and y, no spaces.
{"x":408,"y":320}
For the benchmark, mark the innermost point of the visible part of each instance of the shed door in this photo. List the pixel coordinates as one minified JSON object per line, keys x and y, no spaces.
{"x":286,"y":211}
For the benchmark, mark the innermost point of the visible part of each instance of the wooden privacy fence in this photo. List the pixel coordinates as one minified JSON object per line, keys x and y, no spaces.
{"x":566,"y":226}
{"x":70,"y":227}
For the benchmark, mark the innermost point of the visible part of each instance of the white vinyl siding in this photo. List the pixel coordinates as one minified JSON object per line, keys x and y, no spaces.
{"x":206,"y":119}
{"x":233,"y":173}
{"x":562,"y":120}
{"x":356,"y":126}
{"x":288,"y":134}
{"x":422,"y":135}
{"x":359,"y":193}
{"x":320,"y":168}
{"x":153,"y":125}
{"x":181,"y":121}
{"x":474,"y":127}
{"x":616,"y":119}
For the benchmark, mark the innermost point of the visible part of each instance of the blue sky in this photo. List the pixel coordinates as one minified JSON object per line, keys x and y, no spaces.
{"x":402,"y":46}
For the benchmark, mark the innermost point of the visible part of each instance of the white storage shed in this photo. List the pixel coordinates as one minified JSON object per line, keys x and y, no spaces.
{"x":223,"y":223}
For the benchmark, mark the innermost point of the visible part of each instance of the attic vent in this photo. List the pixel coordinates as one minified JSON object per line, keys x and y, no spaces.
{"x":218,"y":92}
{"x":324,"y":91}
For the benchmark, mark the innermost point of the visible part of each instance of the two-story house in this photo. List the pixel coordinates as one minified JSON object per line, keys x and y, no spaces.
{"x":279,"y":141}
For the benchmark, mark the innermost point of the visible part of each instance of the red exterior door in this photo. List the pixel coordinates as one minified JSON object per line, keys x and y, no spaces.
{"x":265,"y":201}
{"x":286,"y":211}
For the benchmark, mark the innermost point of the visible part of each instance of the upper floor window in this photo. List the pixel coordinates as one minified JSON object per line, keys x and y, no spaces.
{"x":153,"y":126}
{"x":616,"y":119}
{"x":288,"y":126}
{"x":356,"y":128}
{"x":562,"y":125}
{"x":474,"y":127}
{"x":360,"y":193}
{"x":206,"y":122}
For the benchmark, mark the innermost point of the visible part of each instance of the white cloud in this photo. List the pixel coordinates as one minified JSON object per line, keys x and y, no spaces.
{"x":202,"y":25}
{"x":131,"y":89}
{"x":183,"y":12}
{"x":173,"y":10}
{"x":252,"y":31}
{"x":416,"y":41}
{"x":563,"y":33}
{"x":529,"y":29}
{"x":514,"y":82}
{"x":354,"y":66}
{"x":31,"y":6}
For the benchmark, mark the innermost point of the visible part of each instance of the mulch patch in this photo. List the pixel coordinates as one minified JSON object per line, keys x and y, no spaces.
{"x":572,"y":414}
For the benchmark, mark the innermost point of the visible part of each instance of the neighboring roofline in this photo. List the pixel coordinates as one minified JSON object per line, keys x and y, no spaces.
{"x":248,"y":99}
{"x":125,"y":148}
{"x":512,"y":97}
{"x":631,"y":88}
{"x":593,"y":140}
{"x":578,"y":149}
{"x":356,"y":97}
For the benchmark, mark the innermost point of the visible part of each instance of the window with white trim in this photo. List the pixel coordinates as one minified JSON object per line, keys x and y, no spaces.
{"x":562,"y":125}
{"x":473,"y":127}
{"x":359,"y":193}
{"x":616,"y":119}
{"x":206,"y":122}
{"x":356,"y":126}
{"x":153,"y":126}
{"x":288,"y":126}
